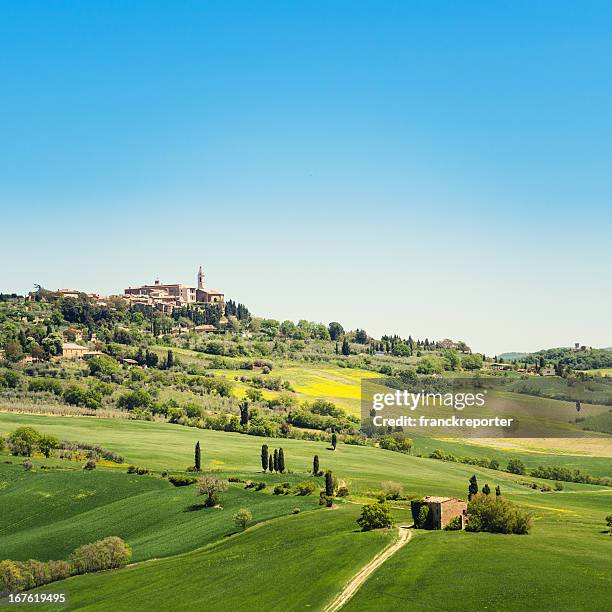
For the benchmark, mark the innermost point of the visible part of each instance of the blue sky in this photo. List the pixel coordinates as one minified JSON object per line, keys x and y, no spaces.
{"x":438,"y":169}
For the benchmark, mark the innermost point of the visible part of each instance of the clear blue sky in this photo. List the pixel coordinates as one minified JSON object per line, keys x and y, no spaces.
{"x":439,"y":169}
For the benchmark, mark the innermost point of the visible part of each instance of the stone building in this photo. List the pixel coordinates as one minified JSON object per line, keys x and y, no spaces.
{"x":442,"y":510}
{"x":167,"y":297}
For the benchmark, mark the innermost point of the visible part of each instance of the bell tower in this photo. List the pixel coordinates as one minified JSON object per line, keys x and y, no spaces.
{"x":200,"y":278}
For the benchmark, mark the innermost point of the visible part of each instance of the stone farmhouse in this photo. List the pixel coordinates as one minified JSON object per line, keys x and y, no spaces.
{"x":167,"y":297}
{"x":442,"y":510}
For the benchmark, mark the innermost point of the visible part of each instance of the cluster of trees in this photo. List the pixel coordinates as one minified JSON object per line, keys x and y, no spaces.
{"x":272,"y":461}
{"x":201,"y":314}
{"x":566,"y":475}
{"x":240,"y":311}
{"x":574,"y":360}
{"x":26,"y":441}
{"x":109,"y":553}
{"x":486,"y":490}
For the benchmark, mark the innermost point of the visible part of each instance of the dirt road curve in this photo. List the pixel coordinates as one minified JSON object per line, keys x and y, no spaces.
{"x":355,"y":583}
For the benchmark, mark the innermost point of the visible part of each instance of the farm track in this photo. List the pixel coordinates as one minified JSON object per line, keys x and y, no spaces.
{"x":365,"y":572}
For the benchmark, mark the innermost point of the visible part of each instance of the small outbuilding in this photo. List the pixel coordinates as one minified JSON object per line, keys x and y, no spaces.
{"x":440,"y":512}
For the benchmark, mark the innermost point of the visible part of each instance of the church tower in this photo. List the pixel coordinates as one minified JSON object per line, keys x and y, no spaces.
{"x":200,"y":278}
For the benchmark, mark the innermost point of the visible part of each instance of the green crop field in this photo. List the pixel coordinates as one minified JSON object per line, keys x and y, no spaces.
{"x":296,"y":562}
{"x":292,"y":561}
{"x":47,"y":514}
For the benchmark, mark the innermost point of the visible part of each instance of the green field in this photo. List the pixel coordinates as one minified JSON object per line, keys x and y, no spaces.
{"x":184,"y":556}
{"x":47,"y":514}
{"x":293,"y":563}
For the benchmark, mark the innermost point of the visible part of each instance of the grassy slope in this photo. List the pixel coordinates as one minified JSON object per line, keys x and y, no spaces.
{"x":164,"y":446}
{"x":292,"y":563}
{"x":564,"y":557}
{"x":563,"y":567}
{"x":46,"y":514}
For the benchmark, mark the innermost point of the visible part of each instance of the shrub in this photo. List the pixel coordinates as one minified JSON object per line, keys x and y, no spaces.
{"x":497,"y":515}
{"x":182,"y":481}
{"x":305,"y":488}
{"x":242,"y":518}
{"x":279,"y":490}
{"x":135,"y":399}
{"x":23,"y":441}
{"x":392,"y":490}
{"x":516,"y":466}
{"x":109,"y":553}
{"x":87,"y":398}
{"x":259,"y":486}
{"x":11,"y":577}
{"x":375,"y":516}
{"x":454,"y":524}
{"x":295,"y":511}
{"x":342,"y":492}
{"x":90,"y":465}
{"x":27,"y":465}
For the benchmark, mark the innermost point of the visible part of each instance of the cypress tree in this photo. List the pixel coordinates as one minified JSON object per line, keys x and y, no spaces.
{"x":497,"y":491}
{"x":315,"y":465}
{"x":196,"y":462}
{"x":329,"y":484}
{"x":170,"y":360}
{"x":244,"y":414}
{"x":346,"y":349}
{"x":473,"y":488}
{"x":486,"y":489}
{"x":264,"y":457}
{"x":275,"y":463}
{"x":270,"y":464}
{"x":281,"y":460}
{"x":334,"y":440}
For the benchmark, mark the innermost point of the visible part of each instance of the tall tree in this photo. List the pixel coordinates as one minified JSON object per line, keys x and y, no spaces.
{"x":346,"y":349}
{"x":270,"y":464}
{"x":486,"y":489}
{"x":197,"y":457}
{"x":497,"y":491}
{"x":315,"y":465}
{"x":334,"y":440}
{"x":264,"y":457}
{"x":281,"y":460}
{"x":170,"y":359}
{"x":329,"y":484}
{"x":275,"y":461}
{"x":473,"y":488}
{"x":244,"y":414}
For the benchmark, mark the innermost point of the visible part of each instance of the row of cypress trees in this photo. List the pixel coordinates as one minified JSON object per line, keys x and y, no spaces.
{"x":272,"y":462}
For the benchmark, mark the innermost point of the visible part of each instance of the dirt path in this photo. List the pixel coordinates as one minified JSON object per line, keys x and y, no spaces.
{"x":364,"y":573}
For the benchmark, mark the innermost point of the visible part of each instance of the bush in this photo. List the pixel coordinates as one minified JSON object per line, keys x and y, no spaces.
{"x":392,"y":490}
{"x":109,"y":553}
{"x":12,"y":578}
{"x":259,"y":486}
{"x":375,"y":516}
{"x":454,"y":524}
{"x":135,"y":399}
{"x":342,"y":492}
{"x":279,"y":490}
{"x":86,"y":398}
{"x":90,"y":465}
{"x":23,"y":441}
{"x":497,"y":515}
{"x":182,"y":481}
{"x":295,"y":511}
{"x":27,"y":465}
{"x":305,"y":488}
{"x":516,"y":466}
{"x":242,"y":518}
